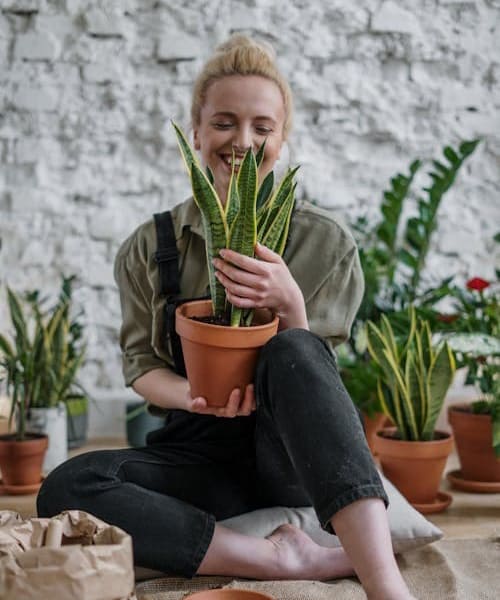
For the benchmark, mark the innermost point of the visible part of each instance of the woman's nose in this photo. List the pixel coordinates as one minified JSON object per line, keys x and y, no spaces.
{"x":242,"y":140}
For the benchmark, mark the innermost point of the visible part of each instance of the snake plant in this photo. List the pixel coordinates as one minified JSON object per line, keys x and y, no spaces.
{"x":41,"y":362}
{"x":415,"y":375}
{"x":252,"y":213}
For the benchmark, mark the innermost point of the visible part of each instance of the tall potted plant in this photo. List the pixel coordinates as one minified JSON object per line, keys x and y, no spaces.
{"x":416,"y":375}
{"x":253,"y":212}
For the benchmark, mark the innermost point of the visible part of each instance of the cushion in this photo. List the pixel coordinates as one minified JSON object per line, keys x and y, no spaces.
{"x":409,"y":529}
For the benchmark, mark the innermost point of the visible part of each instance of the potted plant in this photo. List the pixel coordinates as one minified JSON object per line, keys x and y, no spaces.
{"x":22,"y":452}
{"x":44,"y":363}
{"x":416,"y":375}
{"x":476,"y":425}
{"x":392,"y":265}
{"x":232,"y":336}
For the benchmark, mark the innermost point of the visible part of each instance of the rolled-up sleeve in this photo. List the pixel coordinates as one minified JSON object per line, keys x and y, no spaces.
{"x":136,"y":293}
{"x":333,"y":307}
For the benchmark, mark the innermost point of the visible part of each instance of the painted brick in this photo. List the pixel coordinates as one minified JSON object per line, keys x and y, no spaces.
{"x":37,"y":46}
{"x":391,"y":17}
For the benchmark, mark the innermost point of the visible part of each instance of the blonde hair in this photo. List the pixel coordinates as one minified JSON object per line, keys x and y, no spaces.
{"x":241,"y":55}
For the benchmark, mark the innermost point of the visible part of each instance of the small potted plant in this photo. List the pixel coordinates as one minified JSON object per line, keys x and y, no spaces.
{"x":416,"y":375}
{"x":217,"y":337}
{"x":41,"y":366}
{"x":22,"y":452}
{"x":476,"y":425}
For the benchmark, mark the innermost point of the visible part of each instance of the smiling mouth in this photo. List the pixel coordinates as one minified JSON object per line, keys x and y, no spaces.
{"x":227,"y":159}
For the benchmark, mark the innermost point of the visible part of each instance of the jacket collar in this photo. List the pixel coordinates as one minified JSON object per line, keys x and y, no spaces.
{"x":188,"y":215}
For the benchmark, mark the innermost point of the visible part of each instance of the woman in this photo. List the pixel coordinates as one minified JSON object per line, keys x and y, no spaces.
{"x":295,"y":438}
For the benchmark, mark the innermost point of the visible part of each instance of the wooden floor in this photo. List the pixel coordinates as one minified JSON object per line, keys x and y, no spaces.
{"x":468,"y":516}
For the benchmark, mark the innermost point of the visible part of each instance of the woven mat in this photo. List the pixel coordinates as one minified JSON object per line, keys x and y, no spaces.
{"x":464,"y":569}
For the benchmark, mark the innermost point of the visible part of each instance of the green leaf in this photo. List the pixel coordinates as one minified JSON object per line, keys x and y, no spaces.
{"x":187,"y":153}
{"x":440,"y":378}
{"x":265,"y":190}
{"x":243,"y":234}
{"x":451,"y":155}
{"x":215,"y":229}
{"x":260,"y":154}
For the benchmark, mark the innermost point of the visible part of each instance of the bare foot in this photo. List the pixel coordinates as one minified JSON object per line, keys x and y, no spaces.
{"x":299,"y":557}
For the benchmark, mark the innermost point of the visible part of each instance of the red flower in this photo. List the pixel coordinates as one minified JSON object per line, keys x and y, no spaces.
{"x":444,"y":318}
{"x":476,"y":283}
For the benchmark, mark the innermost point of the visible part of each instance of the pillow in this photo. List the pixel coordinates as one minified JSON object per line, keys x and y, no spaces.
{"x":409,"y":528}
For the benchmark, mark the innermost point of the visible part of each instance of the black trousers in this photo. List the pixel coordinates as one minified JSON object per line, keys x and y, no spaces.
{"x":304,"y":445}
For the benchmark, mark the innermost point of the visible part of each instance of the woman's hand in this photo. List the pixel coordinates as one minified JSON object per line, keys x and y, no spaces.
{"x":264,"y":283}
{"x":236,"y":405}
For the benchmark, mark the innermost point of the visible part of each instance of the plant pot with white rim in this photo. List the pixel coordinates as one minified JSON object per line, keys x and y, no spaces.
{"x":53,"y":423}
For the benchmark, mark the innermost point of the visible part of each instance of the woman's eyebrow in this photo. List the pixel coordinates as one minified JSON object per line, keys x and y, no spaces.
{"x":227,"y":113}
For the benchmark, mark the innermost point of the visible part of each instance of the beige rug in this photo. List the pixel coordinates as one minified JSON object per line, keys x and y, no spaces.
{"x":463,"y":569}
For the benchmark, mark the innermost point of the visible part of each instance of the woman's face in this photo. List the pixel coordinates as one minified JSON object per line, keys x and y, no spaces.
{"x":239,"y":112}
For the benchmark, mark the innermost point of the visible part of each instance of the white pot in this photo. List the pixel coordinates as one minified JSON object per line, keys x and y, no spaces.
{"x":51,"y":421}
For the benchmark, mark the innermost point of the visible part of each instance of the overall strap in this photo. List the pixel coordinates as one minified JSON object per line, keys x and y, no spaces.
{"x":167,"y":258}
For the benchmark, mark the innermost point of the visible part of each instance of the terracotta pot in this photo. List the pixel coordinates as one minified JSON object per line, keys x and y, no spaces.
{"x":415,"y":468}
{"x":21,"y":462}
{"x":473,"y":438}
{"x":372,"y":425}
{"x":219,"y":359}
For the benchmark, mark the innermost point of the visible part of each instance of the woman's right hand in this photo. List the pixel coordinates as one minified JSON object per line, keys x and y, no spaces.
{"x":236,"y":405}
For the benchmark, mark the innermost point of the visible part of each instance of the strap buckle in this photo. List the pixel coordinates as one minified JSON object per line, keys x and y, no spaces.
{"x":165,"y":255}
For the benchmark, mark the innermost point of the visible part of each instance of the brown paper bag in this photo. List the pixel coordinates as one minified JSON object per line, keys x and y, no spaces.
{"x":73,"y":556}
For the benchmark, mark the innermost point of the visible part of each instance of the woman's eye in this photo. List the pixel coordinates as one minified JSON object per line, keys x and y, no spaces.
{"x":223,"y":125}
{"x":263,"y":130}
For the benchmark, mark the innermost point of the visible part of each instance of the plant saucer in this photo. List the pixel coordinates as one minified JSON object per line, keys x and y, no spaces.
{"x":19,"y":490}
{"x":442,"y":501}
{"x":468,"y":485}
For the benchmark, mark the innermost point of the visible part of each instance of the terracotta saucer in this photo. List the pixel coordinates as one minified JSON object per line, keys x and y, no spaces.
{"x":18,"y":490}
{"x":442,"y":501}
{"x":467,"y":485}
{"x":229,"y":594}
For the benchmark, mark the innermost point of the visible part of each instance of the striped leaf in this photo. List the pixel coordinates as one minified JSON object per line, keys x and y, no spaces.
{"x":243,"y":235}
{"x":187,"y":153}
{"x":215,"y":229}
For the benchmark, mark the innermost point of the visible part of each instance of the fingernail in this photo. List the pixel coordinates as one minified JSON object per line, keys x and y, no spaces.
{"x":222,"y":252}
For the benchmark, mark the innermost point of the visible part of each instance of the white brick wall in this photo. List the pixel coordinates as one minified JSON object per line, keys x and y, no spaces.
{"x":87,"y":90}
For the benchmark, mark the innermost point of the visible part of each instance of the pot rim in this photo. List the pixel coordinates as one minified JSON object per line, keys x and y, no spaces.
{"x":212,"y":326}
{"x":446,"y":435}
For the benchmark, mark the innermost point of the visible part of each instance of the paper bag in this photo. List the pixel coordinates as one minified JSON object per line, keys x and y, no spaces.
{"x":73,"y":556}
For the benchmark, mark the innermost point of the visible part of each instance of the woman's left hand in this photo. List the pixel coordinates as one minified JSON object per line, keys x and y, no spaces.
{"x":264,"y":283}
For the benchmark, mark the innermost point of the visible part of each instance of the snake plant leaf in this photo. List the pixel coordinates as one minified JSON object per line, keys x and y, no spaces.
{"x":265,"y":190}
{"x":243,"y":234}
{"x":412,"y":330}
{"x":260,"y":154}
{"x":388,"y":334}
{"x":210,"y":175}
{"x":188,"y":156}
{"x":376,"y":346}
{"x":416,"y":394}
{"x":405,"y":411}
{"x":272,"y":207}
{"x":233,"y":200}
{"x":280,"y":249}
{"x":215,"y":229}
{"x":17,"y":318}
{"x":5,"y":347}
{"x":440,"y":377}
{"x":274,"y":234}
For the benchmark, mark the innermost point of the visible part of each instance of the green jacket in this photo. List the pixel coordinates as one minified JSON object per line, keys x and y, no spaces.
{"x":321,"y":255}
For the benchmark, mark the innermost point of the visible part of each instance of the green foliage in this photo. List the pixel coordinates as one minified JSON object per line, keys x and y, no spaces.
{"x":393,"y":253}
{"x":41,"y":362}
{"x":252,"y":212}
{"x":415,"y":375}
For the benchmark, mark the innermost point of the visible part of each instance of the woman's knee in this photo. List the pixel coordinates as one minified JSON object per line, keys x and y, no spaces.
{"x":70,"y":483}
{"x":292,"y":345}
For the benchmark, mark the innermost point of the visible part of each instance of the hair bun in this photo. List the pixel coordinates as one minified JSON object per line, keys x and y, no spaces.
{"x":239,"y":40}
